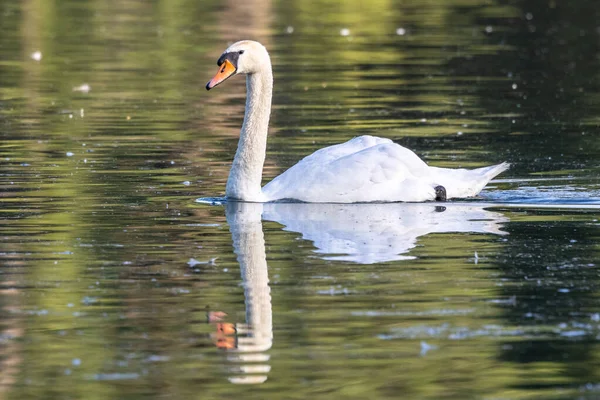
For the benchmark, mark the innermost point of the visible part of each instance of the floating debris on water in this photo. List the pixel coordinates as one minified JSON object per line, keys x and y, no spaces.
{"x":344,"y":31}
{"x":115,"y":376}
{"x":426,"y":347}
{"x":193,"y":262}
{"x":157,"y":358}
{"x":400,"y":31}
{"x":83,"y":88}
{"x":36,"y":55}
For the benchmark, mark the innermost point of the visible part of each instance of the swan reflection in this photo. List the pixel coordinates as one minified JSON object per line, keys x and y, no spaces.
{"x":360,"y":233}
{"x":377,"y":232}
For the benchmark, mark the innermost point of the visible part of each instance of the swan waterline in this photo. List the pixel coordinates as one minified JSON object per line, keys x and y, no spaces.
{"x":363,"y":169}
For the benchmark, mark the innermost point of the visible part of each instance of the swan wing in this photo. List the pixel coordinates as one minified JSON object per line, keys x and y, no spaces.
{"x":355,"y":172}
{"x":331,"y":153}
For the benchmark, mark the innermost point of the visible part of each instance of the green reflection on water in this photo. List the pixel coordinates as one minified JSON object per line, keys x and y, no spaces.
{"x":98,"y":227}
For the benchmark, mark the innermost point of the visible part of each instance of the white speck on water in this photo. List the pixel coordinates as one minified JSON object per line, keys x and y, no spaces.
{"x":36,"y":55}
{"x":514,"y":86}
{"x":83,"y":88}
{"x":400,"y":31}
{"x":344,"y":31}
{"x":157,"y":358}
{"x":225,"y":269}
{"x":81,"y":114}
{"x":459,"y":133}
{"x":187,"y":183}
{"x":489,"y":29}
{"x":70,"y":305}
{"x":70,"y":154}
{"x":88,"y":300}
{"x":115,"y":376}
{"x":529,"y":16}
{"x":595,"y":317}
{"x":476,"y":258}
{"x":70,"y":116}
{"x":193,"y":262}
{"x":76,"y":362}
{"x":563,"y":290}
{"x":172,"y":162}
{"x":572,"y":241}
{"x":575,"y":333}
{"x":426,"y":347}
{"x":289,"y":29}
{"x":423,"y":119}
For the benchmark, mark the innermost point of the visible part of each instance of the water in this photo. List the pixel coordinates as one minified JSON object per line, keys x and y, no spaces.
{"x":116,"y":283}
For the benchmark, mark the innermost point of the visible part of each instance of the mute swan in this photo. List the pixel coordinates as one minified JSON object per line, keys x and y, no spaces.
{"x":364,"y":169}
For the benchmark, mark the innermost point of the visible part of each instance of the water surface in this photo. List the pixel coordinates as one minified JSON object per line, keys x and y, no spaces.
{"x":116,"y":283}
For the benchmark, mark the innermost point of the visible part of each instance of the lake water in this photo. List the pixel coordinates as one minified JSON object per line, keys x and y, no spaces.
{"x":123,"y":276}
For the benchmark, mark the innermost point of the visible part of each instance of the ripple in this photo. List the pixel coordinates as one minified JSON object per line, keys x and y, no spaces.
{"x":213,"y":201}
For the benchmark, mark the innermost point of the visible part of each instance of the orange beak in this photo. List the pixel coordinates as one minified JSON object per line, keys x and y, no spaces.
{"x":225,"y":71}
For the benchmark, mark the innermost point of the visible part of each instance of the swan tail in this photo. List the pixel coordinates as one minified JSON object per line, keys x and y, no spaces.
{"x":462,"y":183}
{"x":482,"y":176}
{"x":492,"y":171}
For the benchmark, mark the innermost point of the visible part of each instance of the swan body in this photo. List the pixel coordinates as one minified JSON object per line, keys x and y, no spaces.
{"x":364,"y":169}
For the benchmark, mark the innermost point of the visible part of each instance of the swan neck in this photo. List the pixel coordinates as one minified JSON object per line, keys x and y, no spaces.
{"x":245,"y":177}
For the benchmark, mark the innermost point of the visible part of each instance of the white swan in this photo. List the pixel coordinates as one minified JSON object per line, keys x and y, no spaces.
{"x":364,"y":169}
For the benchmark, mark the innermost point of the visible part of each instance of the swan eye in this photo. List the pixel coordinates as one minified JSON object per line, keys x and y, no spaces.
{"x":241,"y":52}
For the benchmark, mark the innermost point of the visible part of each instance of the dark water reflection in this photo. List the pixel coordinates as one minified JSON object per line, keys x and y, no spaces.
{"x":115,"y":283}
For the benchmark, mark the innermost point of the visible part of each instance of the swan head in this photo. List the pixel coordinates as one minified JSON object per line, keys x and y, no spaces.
{"x":244,"y":57}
